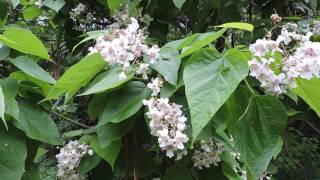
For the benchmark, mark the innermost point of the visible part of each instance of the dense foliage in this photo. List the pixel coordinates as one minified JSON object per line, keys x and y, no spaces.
{"x":159,"y":89}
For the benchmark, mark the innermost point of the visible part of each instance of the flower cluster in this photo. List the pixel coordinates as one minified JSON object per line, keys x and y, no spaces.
{"x":77,"y":10}
{"x":276,"y":67}
{"x":167,"y":122}
{"x":208,"y":154}
{"x":124,"y":47}
{"x":69,"y":158}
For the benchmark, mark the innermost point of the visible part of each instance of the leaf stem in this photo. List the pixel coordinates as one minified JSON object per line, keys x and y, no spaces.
{"x":252,"y":91}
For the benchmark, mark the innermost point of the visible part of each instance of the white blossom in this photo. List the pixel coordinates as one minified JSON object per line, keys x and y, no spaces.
{"x":155,"y":86}
{"x":69,"y":158}
{"x":77,"y":10}
{"x":167,"y":123}
{"x":41,"y":20}
{"x":259,"y":48}
{"x":124,"y":46}
{"x":302,"y":62}
{"x":208,"y":154}
{"x":143,"y":70}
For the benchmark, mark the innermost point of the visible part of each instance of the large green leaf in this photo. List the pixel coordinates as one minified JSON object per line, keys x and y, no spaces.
{"x":109,"y":153}
{"x":258,"y":132}
{"x":31,"y":68}
{"x":309,"y":90}
{"x":37,"y":124}
{"x":54,"y":4}
{"x":13,"y":152}
{"x":21,"y":77}
{"x":2,"y":107}
{"x":124,"y":103}
{"x":210,"y":37}
{"x":24,"y":41}
{"x":168,"y":64}
{"x":111,"y":132}
{"x":77,"y":76}
{"x":210,"y":79}
{"x":106,"y":81}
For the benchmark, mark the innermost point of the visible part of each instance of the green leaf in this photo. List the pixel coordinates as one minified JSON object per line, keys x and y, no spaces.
{"x":31,"y":68}
{"x":37,"y":124}
{"x":2,"y":108}
{"x":21,"y":76}
{"x":168,"y":64}
{"x":54,"y":4}
{"x":91,"y":35}
{"x":13,"y":152}
{"x":4,"y":51}
{"x":106,"y":81}
{"x":115,"y":5}
{"x":258,"y":132}
{"x":3,"y":12}
{"x":31,"y":12}
{"x":203,"y":42}
{"x":88,"y":163}
{"x":24,"y":41}
{"x":32,"y":174}
{"x":124,"y":103}
{"x":111,"y":132}
{"x":178,"y":3}
{"x":238,"y":25}
{"x":10,"y":89}
{"x":309,"y":90}
{"x":77,"y":76}
{"x":109,"y":153}
{"x":209,"y":81}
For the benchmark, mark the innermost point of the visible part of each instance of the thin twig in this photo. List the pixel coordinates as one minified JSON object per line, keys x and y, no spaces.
{"x":313,"y":127}
{"x":71,"y":120}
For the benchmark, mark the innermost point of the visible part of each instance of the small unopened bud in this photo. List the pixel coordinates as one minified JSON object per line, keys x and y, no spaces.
{"x":276,"y":18}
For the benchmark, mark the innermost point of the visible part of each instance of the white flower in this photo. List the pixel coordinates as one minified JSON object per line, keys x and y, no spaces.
{"x":78,"y":9}
{"x":143,"y":70}
{"x":259,"y":48}
{"x":69,"y":158}
{"x":41,"y":20}
{"x":208,"y":154}
{"x":155,"y":86}
{"x":167,"y":123}
{"x":123,"y":47}
{"x":284,"y":37}
{"x":122,"y":75}
{"x":153,"y":53}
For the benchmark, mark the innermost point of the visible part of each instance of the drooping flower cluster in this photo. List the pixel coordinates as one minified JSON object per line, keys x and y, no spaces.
{"x":208,"y":154}
{"x":69,"y":158}
{"x":276,"y":67}
{"x":124,"y":47}
{"x":167,"y":122}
